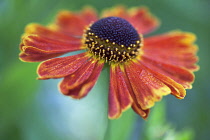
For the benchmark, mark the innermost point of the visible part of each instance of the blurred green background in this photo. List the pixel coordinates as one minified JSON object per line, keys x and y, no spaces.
{"x":35,"y":110}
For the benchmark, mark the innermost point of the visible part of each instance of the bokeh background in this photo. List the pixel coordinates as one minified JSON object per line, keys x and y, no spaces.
{"x":35,"y":110}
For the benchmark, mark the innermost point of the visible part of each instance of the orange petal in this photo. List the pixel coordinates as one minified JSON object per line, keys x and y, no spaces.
{"x":71,"y":81}
{"x":178,"y":74}
{"x":89,"y":15}
{"x":123,"y":90}
{"x":32,"y":54}
{"x":38,"y":48}
{"x":139,"y":17}
{"x":143,"y":20}
{"x":73,"y":23}
{"x":176,"y":88}
{"x":175,"y":48}
{"x":49,"y":44}
{"x":119,"y":95}
{"x":61,"y":67}
{"x":79,"y":83}
{"x":114,"y":102}
{"x":143,"y":113}
{"x":48,"y":32}
{"x":136,"y":106}
{"x":146,"y":87}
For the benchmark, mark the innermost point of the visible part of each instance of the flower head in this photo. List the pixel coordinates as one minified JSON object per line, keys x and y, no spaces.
{"x":142,"y":70}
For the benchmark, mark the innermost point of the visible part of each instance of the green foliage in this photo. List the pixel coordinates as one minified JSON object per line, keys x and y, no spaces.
{"x":159,"y":128}
{"x":18,"y":87}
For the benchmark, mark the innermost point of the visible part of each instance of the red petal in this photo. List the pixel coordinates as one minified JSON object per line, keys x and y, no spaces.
{"x":70,"y":23}
{"x":136,"y":106}
{"x":48,"y":32}
{"x":176,"y":88}
{"x":146,"y":87}
{"x":139,"y":17}
{"x":143,"y":20}
{"x":180,"y":75}
{"x":123,"y":91}
{"x":61,"y":67}
{"x":114,"y":102}
{"x":79,"y":83}
{"x":121,"y":95}
{"x":175,"y":48}
{"x":78,"y":77}
{"x":173,"y":55}
{"x":143,"y":113}
{"x":89,"y":15}
{"x":31,"y":54}
{"x":49,"y":44}
{"x":74,"y":23}
{"x":40,"y":43}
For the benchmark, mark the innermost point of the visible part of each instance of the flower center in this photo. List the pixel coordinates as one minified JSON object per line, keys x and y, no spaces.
{"x":113,"y":39}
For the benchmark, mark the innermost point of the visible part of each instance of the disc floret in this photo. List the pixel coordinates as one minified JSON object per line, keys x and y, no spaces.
{"x":112,"y":39}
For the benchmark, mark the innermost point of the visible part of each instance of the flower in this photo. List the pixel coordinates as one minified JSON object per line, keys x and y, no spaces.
{"x":142,"y":70}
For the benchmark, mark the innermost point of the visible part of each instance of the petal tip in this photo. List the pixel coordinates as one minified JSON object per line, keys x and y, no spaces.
{"x":149,"y":18}
{"x":114,"y":116}
{"x":31,"y":28}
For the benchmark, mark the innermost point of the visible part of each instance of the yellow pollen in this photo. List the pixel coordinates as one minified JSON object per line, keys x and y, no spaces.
{"x":110,"y":52}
